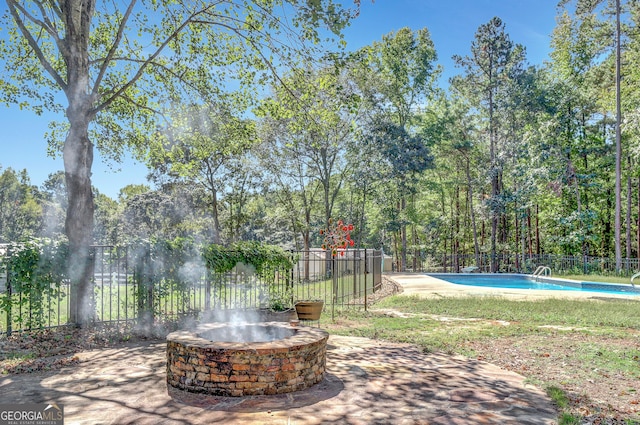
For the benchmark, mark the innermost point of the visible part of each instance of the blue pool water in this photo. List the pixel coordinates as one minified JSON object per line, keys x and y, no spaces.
{"x":519,"y":281}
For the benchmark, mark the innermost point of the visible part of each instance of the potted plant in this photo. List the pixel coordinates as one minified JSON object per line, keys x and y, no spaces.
{"x":309,"y":309}
{"x":279,"y":308}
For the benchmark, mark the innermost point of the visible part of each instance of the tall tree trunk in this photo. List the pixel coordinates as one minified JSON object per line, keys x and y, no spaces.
{"x":538,"y":230}
{"x":618,"y":208}
{"x":476,"y":248}
{"x":397,"y":251}
{"x":608,"y":232}
{"x":444,"y":255}
{"x":230,"y":223}
{"x":494,"y":185}
{"x":217,"y":230}
{"x":504,"y":218}
{"x":416,"y":249}
{"x":638,"y":223}
{"x":443,"y":214}
{"x":628,"y":215}
{"x":455,"y":231}
{"x":78,"y":159}
{"x":414,"y":237}
{"x":403,"y":234}
{"x":583,"y":243}
{"x":523,"y":240}
{"x":529,"y":232}
{"x":77,"y":156}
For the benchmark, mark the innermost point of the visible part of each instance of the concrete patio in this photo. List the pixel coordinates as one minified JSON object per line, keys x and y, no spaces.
{"x":368,"y":382}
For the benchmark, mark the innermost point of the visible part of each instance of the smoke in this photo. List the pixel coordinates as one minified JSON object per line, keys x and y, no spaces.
{"x":233,"y":316}
{"x":192,"y":270}
{"x":236,"y":312}
{"x":242,"y":321}
{"x":246,"y":333}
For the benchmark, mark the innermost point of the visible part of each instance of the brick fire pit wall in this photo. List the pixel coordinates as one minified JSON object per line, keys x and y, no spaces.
{"x":291,"y":363}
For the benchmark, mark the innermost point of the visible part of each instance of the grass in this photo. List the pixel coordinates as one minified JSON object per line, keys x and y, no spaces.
{"x":561,"y":400}
{"x":612,"y":359}
{"x":454,"y":325}
{"x":616,"y":314}
{"x":597,"y":278}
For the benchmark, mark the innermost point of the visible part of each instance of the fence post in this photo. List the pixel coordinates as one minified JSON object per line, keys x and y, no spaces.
{"x":9,"y":298}
{"x":145,"y":288}
{"x":354,"y":271}
{"x":365,"y":279}
{"x":207,"y":290}
{"x":334,"y":286}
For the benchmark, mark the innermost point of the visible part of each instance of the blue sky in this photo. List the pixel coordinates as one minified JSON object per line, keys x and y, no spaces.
{"x":452,"y":25}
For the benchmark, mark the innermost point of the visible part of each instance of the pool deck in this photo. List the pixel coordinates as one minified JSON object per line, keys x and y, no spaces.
{"x":422,"y":285}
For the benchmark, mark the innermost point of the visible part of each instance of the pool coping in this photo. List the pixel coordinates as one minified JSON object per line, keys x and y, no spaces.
{"x":587,"y":284}
{"x":444,"y":286}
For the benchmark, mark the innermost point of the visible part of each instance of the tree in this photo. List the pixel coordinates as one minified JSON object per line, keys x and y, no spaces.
{"x":599,"y":35}
{"x":493,"y":62}
{"x":403,"y":158}
{"x":396,"y":81}
{"x":200,"y":151}
{"x":107,"y":228}
{"x":54,"y":203}
{"x":20,"y":213}
{"x":457,"y":149}
{"x":309,"y":125}
{"x":120,"y":65}
{"x":161,"y":214}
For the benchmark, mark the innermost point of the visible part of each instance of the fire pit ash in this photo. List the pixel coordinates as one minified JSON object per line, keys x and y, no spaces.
{"x":225,"y":359}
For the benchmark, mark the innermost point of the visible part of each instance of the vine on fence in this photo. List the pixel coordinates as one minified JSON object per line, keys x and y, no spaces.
{"x":265,"y":258}
{"x":35,"y":270}
{"x":163,"y":268}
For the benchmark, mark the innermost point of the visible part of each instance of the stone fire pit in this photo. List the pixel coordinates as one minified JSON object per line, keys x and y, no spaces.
{"x":270,"y":358}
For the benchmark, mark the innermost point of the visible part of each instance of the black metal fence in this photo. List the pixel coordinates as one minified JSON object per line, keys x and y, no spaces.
{"x":518,"y":263}
{"x":133,"y":285}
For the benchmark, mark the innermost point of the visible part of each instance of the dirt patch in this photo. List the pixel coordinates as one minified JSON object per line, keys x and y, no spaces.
{"x":56,"y":348}
{"x":599,"y":374}
{"x":570,"y":361}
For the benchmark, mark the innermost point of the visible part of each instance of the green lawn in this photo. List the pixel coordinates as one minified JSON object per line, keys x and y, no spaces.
{"x":598,"y":278}
{"x":594,"y":337}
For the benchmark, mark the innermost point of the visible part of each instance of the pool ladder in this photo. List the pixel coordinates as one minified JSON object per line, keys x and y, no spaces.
{"x":633,"y":277}
{"x":544,"y":271}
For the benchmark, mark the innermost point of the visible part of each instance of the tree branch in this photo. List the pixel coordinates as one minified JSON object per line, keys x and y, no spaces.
{"x":147,"y":62}
{"x":13,"y":9}
{"x":113,"y":48}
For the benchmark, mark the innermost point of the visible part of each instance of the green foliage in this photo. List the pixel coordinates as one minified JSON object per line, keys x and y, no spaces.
{"x":168,"y":268}
{"x":401,"y":74}
{"x":20,"y":213}
{"x":265,"y":258}
{"x":516,"y":157}
{"x":35,"y":270}
{"x":266,"y":261}
{"x":161,"y":53}
{"x":280,"y":299}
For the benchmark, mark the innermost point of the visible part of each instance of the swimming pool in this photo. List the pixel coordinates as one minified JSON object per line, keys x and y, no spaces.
{"x":521,"y":281}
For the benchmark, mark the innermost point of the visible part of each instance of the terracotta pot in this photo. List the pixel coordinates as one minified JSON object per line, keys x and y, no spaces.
{"x":309,"y":310}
